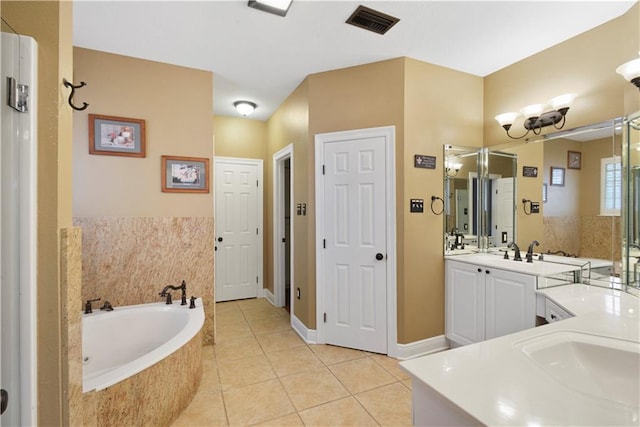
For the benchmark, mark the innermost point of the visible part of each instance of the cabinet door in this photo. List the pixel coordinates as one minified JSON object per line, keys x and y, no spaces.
{"x":510,"y":302}
{"x":464,"y":303}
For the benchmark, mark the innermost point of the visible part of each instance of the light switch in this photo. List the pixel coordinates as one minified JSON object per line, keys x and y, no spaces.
{"x":416,"y":205}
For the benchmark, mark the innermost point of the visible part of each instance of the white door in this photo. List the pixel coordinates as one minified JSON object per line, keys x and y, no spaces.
{"x":503,"y":209}
{"x":238,"y":218}
{"x":355,"y":246}
{"x":462,"y":211}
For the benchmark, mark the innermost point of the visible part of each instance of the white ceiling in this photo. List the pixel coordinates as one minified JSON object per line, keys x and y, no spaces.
{"x":262,"y":57}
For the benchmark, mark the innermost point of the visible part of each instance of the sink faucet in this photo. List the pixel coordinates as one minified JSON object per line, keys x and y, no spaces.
{"x":529,"y":255}
{"x":516,"y":256}
{"x":183,"y":287}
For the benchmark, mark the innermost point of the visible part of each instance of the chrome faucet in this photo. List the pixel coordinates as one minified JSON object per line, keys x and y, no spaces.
{"x":529,"y":255}
{"x":183,"y":287}
{"x":516,"y":256}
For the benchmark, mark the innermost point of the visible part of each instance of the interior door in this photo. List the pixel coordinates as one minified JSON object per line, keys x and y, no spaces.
{"x":238,"y":207}
{"x":355,"y":244}
{"x":503,"y":208}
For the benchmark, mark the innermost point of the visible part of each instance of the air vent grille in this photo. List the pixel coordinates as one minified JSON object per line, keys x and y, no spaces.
{"x":372,"y":20}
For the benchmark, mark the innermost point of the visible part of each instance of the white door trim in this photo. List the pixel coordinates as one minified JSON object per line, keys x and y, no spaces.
{"x":260,"y":211}
{"x":387,"y":132}
{"x":279,"y":225}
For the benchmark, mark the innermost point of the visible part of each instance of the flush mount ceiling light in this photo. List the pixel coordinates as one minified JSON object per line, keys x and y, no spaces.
{"x":537,"y":116}
{"x":277,"y":7}
{"x":245,"y":107}
{"x":452,"y":167}
{"x":630,"y":71}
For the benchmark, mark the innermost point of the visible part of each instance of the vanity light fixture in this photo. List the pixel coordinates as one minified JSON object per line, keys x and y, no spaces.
{"x":630,"y":71}
{"x":537,"y":116}
{"x":277,"y":7}
{"x":245,"y":107}
{"x":452,"y":168}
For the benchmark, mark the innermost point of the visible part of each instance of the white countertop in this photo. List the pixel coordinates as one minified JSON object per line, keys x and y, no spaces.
{"x":536,"y":268}
{"x":496,"y":383}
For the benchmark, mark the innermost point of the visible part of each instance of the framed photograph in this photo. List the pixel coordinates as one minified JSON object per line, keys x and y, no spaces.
{"x":185,"y":174}
{"x":574,"y":160}
{"x":557,"y":176}
{"x":116,"y":136}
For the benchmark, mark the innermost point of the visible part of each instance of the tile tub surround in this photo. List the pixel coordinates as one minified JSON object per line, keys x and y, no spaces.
{"x":497,"y":384}
{"x":128,"y":261}
{"x":153,"y":397}
{"x":261,"y":373}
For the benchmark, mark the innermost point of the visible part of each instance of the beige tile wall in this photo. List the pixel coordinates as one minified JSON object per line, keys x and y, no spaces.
{"x":129,"y":260}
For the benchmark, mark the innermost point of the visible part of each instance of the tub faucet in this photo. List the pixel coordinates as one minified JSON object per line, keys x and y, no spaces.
{"x":107,"y":306}
{"x":516,"y":256}
{"x":529,"y":255}
{"x":87,"y":306}
{"x":183,"y":287}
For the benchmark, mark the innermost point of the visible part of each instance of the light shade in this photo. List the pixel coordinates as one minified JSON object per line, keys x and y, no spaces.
{"x":277,"y":7}
{"x":534,"y":110}
{"x":507,"y":118}
{"x":563,"y":101}
{"x":630,"y":70}
{"x":244,"y":107}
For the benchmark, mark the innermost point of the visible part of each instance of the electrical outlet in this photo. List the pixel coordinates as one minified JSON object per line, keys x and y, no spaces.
{"x":535,"y":207}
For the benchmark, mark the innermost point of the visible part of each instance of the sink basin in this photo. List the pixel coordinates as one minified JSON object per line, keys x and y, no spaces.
{"x":604,"y":368}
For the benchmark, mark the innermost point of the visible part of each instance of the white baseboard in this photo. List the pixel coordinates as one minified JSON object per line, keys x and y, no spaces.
{"x":420,"y":348}
{"x":308,"y":335}
{"x":266,"y":293}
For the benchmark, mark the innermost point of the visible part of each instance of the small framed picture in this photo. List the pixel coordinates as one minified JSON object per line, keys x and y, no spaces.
{"x":574,"y":160}
{"x":185,"y":174}
{"x":557,"y":176}
{"x":116,"y":136}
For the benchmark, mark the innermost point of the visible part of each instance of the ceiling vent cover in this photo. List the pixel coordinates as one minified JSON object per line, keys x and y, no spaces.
{"x":372,"y":20}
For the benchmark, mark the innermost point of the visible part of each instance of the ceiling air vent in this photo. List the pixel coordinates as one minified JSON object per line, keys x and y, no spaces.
{"x":372,"y":20}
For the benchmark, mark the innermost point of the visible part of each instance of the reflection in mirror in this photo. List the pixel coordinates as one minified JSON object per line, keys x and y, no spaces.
{"x":632,"y":206}
{"x":582,"y":214}
{"x":461,"y":164}
{"x":498,"y":213}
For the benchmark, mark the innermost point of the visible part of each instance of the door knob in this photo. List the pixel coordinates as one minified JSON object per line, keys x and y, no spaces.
{"x":379,"y":256}
{"x":220,"y":239}
{"x":5,"y":401}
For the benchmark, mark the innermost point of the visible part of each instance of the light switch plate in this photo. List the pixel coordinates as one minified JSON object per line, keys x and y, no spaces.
{"x":416,"y":205}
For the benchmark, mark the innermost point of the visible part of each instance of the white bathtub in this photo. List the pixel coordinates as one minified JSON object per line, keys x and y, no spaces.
{"x":120,"y":343}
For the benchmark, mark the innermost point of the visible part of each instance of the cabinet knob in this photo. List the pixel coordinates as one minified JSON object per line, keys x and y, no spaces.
{"x":479,"y":270}
{"x":487,"y":271}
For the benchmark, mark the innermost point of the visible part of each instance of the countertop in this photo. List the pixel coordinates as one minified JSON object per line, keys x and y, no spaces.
{"x":496,"y":383}
{"x":536,"y":268}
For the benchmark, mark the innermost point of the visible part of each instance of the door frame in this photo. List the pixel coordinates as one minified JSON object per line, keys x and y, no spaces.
{"x":259,"y":214}
{"x":388,"y":133}
{"x":279,"y":226}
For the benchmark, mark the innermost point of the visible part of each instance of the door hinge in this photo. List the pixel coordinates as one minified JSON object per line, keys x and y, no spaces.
{"x":257,"y":183}
{"x":18,"y":95}
{"x":323,"y":170}
{"x":256,"y":279}
{"x":257,"y":231}
{"x":324,"y":243}
{"x":325,"y":317}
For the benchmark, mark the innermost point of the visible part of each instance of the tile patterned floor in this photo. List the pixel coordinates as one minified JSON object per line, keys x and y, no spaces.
{"x":261,"y":373}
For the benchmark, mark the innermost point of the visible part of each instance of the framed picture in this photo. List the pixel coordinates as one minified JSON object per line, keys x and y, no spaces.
{"x":185,"y":174}
{"x":574,"y":160}
{"x":116,"y":136}
{"x":557,"y":176}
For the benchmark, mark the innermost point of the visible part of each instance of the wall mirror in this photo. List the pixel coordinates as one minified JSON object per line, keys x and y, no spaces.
{"x":498,"y":209}
{"x":460,"y":171}
{"x":631,"y":204}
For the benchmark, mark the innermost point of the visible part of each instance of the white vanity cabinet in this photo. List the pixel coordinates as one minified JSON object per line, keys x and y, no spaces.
{"x":486,"y":302}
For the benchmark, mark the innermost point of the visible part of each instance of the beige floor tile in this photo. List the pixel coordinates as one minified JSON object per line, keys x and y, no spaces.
{"x":206,"y":409}
{"x":389,"y":405}
{"x":230,"y":330}
{"x":271,"y":324}
{"x":253,"y":303}
{"x":291,"y":420}
{"x":281,"y":340}
{"x":261,"y":313}
{"x":256,"y":403}
{"x":222,"y":307}
{"x":230,"y":316}
{"x":330,"y":354}
{"x":390,"y":365}
{"x":344,"y":412}
{"x":293,"y":360}
{"x":237,"y":348}
{"x":313,"y":388}
{"x":244,"y":371}
{"x":361,"y":374}
{"x":408,"y":384}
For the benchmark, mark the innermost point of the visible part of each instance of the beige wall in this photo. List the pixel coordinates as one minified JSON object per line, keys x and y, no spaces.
{"x":50,"y":24}
{"x":176,"y":125}
{"x":137,"y":239}
{"x":240,"y":137}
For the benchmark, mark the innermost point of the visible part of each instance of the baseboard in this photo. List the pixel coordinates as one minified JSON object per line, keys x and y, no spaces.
{"x":308,"y":335}
{"x":420,"y":348}
{"x":266,"y":293}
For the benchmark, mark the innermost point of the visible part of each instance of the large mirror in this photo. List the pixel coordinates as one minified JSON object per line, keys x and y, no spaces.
{"x":631,"y":204}
{"x":498,"y":210}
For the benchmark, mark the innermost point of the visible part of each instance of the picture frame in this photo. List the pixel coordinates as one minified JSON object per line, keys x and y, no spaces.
{"x":557,"y":176}
{"x":185,"y":174}
{"x":574,"y":160}
{"x":116,"y":136}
